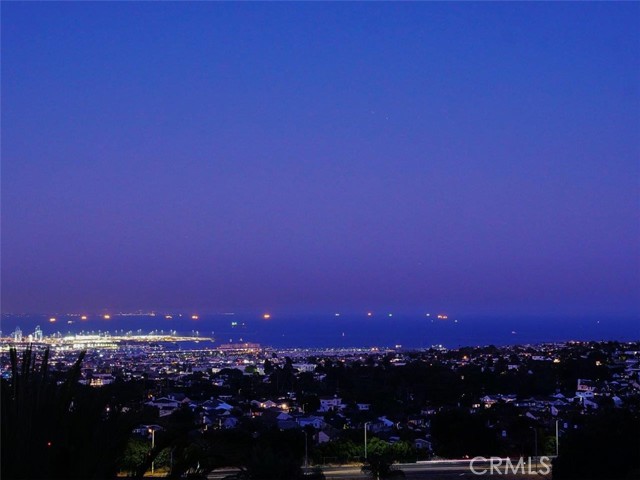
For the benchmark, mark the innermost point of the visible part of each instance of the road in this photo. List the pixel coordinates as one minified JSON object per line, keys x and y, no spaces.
{"x":439,"y":469}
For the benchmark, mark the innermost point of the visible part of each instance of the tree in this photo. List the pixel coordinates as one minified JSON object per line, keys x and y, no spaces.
{"x":457,"y":433}
{"x":379,"y":462}
{"x":134,"y":455}
{"x":605,"y":447}
{"x":403,"y":451}
{"x":268,"y":367}
{"x":64,"y":425}
{"x":337,"y":451}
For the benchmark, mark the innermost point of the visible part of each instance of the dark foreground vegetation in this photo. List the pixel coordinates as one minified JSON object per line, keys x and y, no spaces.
{"x":53,"y":427}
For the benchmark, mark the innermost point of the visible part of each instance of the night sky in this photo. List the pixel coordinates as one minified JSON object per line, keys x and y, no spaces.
{"x":473,"y":157}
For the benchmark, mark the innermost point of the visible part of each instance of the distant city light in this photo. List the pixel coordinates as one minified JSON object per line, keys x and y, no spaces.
{"x":266,"y":316}
{"x":391,"y":314}
{"x":337,"y":314}
{"x":106,"y":317}
{"x":52,"y":319}
{"x":369,"y":314}
{"x":83,"y":317}
{"x":442,"y":317}
{"x":168,"y":317}
{"x":194,"y":317}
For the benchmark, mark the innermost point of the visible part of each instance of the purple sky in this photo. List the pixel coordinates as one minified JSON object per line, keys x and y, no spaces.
{"x":321,"y":156}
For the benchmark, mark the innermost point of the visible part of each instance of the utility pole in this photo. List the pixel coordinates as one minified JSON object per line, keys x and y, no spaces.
{"x":152,"y":431}
{"x":306,"y":452}
{"x":365,"y":439}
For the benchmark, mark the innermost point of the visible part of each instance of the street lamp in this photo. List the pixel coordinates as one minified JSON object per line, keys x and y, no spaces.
{"x":365,"y":439}
{"x":152,"y":431}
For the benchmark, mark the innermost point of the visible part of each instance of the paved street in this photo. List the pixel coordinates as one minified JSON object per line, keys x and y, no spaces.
{"x":459,"y":469}
{"x":444,"y":470}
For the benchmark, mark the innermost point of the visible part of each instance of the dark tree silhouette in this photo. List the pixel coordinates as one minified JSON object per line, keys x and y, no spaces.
{"x":379,"y":462}
{"x":606,"y":446}
{"x":457,"y":433}
{"x":57,"y":429}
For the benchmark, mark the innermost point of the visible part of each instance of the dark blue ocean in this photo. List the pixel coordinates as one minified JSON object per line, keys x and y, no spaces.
{"x":329,"y":330}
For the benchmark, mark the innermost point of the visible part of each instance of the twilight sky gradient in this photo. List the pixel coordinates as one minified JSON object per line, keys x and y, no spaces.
{"x":321,"y":156}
